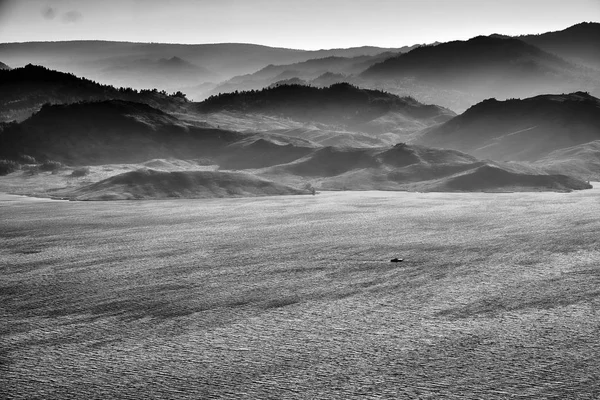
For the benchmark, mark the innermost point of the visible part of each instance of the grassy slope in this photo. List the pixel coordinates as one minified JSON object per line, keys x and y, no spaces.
{"x":582,"y":161}
{"x":295,"y":297}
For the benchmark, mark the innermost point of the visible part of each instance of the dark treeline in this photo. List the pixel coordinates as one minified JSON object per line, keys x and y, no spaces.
{"x":338,"y":102}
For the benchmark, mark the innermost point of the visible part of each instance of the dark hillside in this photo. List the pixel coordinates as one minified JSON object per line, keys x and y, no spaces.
{"x":24,"y":90}
{"x":522,"y":130}
{"x":579,"y":43}
{"x":454,"y":62}
{"x":113,"y":131}
{"x":338,"y":104}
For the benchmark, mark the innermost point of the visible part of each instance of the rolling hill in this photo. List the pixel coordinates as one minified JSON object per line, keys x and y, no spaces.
{"x":413,"y":168}
{"x":520,"y":130}
{"x":151,"y":184}
{"x":339,"y":105}
{"x":116,"y":131}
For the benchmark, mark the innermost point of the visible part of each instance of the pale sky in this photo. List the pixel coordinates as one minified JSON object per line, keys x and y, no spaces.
{"x":301,"y":24}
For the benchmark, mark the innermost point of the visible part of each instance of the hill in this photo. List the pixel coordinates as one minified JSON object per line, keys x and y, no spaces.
{"x":151,"y":184}
{"x":339,"y":104}
{"x":113,"y":131}
{"x":581,"y":161}
{"x":521,"y":130}
{"x":413,"y":168}
{"x":494,"y":178}
{"x":579,"y":43}
{"x":3,"y":66}
{"x":24,"y":90}
{"x":480,"y":68}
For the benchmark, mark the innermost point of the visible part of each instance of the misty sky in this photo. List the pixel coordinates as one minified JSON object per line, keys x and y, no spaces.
{"x":303,"y":24}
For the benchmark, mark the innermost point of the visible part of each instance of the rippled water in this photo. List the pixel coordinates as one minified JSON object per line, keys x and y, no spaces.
{"x":295,"y":297}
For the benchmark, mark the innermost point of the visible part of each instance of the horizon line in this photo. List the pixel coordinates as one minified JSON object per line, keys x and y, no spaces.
{"x":291,"y":48}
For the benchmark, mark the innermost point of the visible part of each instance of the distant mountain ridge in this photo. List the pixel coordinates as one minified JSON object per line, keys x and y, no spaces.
{"x":461,"y":73}
{"x":95,"y":59}
{"x":580,"y":43}
{"x":316,"y":71}
{"x":173,"y":72}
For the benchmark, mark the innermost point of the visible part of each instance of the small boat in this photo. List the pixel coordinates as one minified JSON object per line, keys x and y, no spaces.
{"x":396,"y":260}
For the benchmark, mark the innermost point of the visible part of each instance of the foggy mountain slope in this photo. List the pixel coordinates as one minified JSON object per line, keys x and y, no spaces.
{"x":117,"y":131}
{"x":480,"y":68}
{"x":318,"y":133}
{"x":4,"y":66}
{"x":95,"y":59}
{"x":467,"y":62}
{"x":579,"y":43}
{"x":413,"y":168}
{"x":165,"y":73}
{"x":151,"y":184}
{"x":319,"y":71}
{"x":113,"y":131}
{"x":340,"y":104}
{"x":521,"y":130}
{"x":24,"y":90}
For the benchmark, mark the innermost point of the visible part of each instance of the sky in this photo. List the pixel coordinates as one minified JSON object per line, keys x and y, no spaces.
{"x":300,"y":24}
